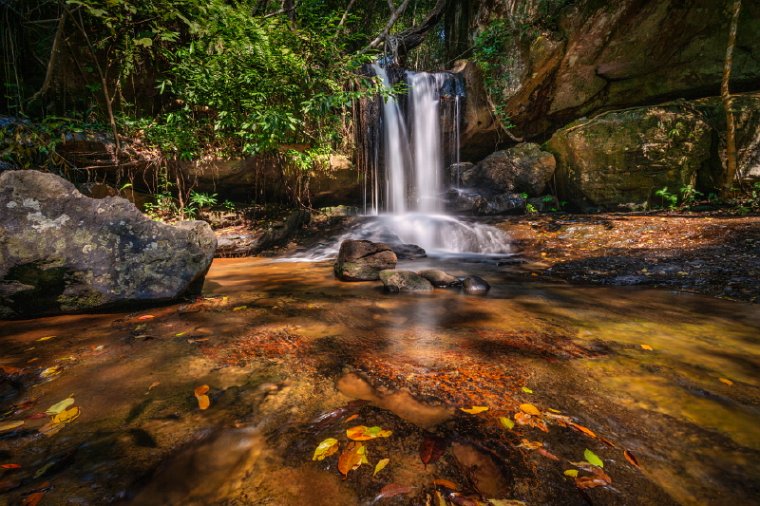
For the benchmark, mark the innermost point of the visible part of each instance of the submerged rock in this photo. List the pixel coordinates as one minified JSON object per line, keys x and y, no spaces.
{"x":475,"y":285}
{"x":404,"y":281}
{"x":361,"y":260}
{"x":439,"y":278}
{"x":62,"y":252}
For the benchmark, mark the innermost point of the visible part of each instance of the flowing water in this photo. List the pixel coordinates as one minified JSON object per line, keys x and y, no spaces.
{"x":291,"y":355}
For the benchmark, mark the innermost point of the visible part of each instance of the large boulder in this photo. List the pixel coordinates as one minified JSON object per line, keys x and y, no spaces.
{"x":524,"y":168}
{"x":621,"y":158}
{"x":360,"y":260}
{"x":62,"y":252}
{"x":404,"y":281}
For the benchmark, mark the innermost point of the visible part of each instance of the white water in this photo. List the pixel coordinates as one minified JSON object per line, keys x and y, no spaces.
{"x":413,"y":188}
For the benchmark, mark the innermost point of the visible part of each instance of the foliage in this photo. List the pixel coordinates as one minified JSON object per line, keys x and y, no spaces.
{"x":667,"y":199}
{"x":490,"y":54}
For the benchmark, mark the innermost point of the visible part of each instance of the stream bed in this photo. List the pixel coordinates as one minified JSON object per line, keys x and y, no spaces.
{"x":661,"y":386}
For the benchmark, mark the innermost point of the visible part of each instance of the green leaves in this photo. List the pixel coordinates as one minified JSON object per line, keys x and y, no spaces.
{"x":592,"y":458}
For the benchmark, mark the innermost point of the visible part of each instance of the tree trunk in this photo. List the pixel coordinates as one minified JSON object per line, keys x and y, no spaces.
{"x":726,"y":97}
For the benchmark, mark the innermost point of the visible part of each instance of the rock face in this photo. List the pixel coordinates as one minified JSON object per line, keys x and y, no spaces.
{"x":404,"y":281}
{"x":604,"y":55}
{"x":524,"y":168}
{"x":360,"y":260}
{"x":61,"y":251}
{"x":620,"y":158}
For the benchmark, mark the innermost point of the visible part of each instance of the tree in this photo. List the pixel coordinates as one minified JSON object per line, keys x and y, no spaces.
{"x":726,"y":97}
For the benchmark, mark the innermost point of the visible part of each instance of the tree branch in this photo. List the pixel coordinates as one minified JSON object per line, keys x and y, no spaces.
{"x":384,"y":34}
{"x":53,"y":58}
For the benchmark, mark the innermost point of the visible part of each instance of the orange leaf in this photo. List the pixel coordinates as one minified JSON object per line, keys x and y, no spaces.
{"x":630,"y":457}
{"x":446,"y":484}
{"x":33,"y":499}
{"x":203,"y":401}
{"x":392,"y":490}
{"x":10,"y":466}
{"x":364,"y":433}
{"x":530,"y":409}
{"x":522,"y":419}
{"x":530,"y":445}
{"x":203,"y":389}
{"x":581,"y":428}
{"x":146,"y":317}
{"x":475,"y":409}
{"x":726,"y":381}
{"x":351,"y":418}
{"x":351,"y":458}
{"x":599,"y":479}
{"x":646,"y":347}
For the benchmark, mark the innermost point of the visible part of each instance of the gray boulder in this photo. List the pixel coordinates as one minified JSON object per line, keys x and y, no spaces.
{"x":504,"y":203}
{"x":360,"y":260}
{"x":524,"y":168}
{"x":475,"y":285}
{"x":439,"y":278}
{"x":63,"y":252}
{"x":408,"y":251}
{"x":404,"y":281}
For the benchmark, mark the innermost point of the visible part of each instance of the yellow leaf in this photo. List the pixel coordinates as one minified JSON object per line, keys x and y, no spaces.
{"x":726,"y":381}
{"x":364,"y":433}
{"x":527,"y":390}
{"x":180,"y":334}
{"x":351,"y":458}
{"x":46,"y":338}
{"x":646,"y":347}
{"x":571,"y":472}
{"x":380,"y":465}
{"x":239,"y":308}
{"x":67,"y":416}
{"x":475,"y":409}
{"x":10,"y":425}
{"x":59,"y":406}
{"x":51,"y":372}
{"x":506,"y":422}
{"x":326,"y":448}
{"x":203,"y":389}
{"x":530,"y":409}
{"x":530,"y":445}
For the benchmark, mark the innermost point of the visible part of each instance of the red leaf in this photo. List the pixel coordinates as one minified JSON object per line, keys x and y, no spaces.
{"x":10,"y":466}
{"x":432,"y":448}
{"x":392,"y":490}
{"x":630,"y":457}
{"x":33,"y":499}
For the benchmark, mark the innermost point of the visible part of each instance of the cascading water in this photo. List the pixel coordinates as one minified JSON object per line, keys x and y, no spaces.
{"x":407,"y":204}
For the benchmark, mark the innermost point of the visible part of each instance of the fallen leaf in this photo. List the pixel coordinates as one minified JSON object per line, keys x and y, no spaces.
{"x":351,"y":418}
{"x":555,"y":410}
{"x":432,"y":448}
{"x":571,"y":472}
{"x":10,"y":466}
{"x":180,"y":334}
{"x":527,"y":390}
{"x":36,"y":416}
{"x":530,"y":445}
{"x":646,"y":347}
{"x":630,"y":457}
{"x":33,"y":499}
{"x":203,"y":389}
{"x":547,"y":454}
{"x":239,"y":308}
{"x":203,"y":400}
{"x":44,"y":469}
{"x":380,"y":465}
{"x":530,"y":409}
{"x":726,"y":381}
{"x":326,"y":448}
{"x":351,"y":458}
{"x":475,"y":409}
{"x":152,"y":386}
{"x":14,"y":424}
{"x":581,"y":428}
{"x":51,"y":371}
{"x":67,"y":416}
{"x":599,"y":479}
{"x":592,"y":458}
{"x":393,"y":490}
{"x":506,"y":502}
{"x":446,"y":484}
{"x":46,"y":338}
{"x":506,"y":422}
{"x":59,"y":406}
{"x":146,"y":317}
{"x":364,"y":433}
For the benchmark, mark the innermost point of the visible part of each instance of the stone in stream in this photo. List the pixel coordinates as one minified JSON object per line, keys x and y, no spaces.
{"x":361,"y":260}
{"x":475,"y":285}
{"x":404,"y":281}
{"x":408,"y":251}
{"x":440,"y":279}
{"x":63,"y":252}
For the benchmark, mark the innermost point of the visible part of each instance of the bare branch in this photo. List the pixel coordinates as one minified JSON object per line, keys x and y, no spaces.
{"x":384,"y":34}
{"x":53,"y":58}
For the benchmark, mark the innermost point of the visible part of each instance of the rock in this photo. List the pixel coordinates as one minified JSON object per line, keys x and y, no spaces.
{"x":524,"y":168}
{"x":360,"y":260}
{"x":607,"y":55}
{"x":475,"y":285}
{"x":404,"y":281}
{"x":545,"y":203}
{"x":619,"y":158}
{"x":63,"y":252}
{"x":462,"y":174}
{"x":439,"y":278}
{"x":407,"y":251}
{"x":339,"y":211}
{"x":279,"y":233}
{"x":504,"y":203}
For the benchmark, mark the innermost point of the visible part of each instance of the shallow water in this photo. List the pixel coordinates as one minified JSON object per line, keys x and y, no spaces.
{"x":290,"y":354}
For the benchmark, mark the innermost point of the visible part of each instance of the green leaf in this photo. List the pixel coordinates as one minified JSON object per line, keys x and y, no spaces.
{"x":592,"y":458}
{"x":144,"y":42}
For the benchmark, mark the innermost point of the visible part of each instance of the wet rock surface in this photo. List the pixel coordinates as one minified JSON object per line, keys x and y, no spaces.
{"x":524,"y":168}
{"x":404,"y":281}
{"x":439,"y":278}
{"x":61,"y":251}
{"x":361,"y":260}
{"x":475,"y":285}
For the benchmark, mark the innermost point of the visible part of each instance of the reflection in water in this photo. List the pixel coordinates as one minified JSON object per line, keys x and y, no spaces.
{"x":282,"y":343}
